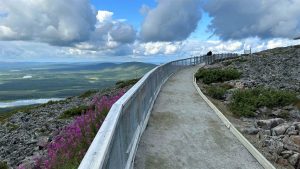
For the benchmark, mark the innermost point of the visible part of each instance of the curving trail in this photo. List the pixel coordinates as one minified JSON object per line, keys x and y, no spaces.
{"x":184,"y":133}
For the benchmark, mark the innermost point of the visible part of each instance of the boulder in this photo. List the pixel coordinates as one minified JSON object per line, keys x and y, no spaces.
{"x":250,"y":130}
{"x":288,"y":143}
{"x":295,"y":139}
{"x":280,"y":129}
{"x":286,"y":153}
{"x":270,"y":123}
{"x":293,"y":159}
{"x":291,"y":130}
{"x":43,"y":141}
{"x":263,"y":134}
{"x":274,"y":144}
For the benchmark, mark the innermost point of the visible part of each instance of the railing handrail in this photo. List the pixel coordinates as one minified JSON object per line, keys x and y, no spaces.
{"x":96,"y":156}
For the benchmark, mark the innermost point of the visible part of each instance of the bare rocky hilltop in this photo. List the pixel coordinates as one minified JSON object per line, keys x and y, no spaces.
{"x":275,"y":68}
{"x":274,"y":130}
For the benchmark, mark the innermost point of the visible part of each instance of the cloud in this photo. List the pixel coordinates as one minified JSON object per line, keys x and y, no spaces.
{"x":123,"y":33}
{"x":58,"y":23}
{"x":103,"y":16}
{"x":236,"y":19}
{"x":156,"y":48}
{"x":171,"y":20}
{"x":52,"y":21}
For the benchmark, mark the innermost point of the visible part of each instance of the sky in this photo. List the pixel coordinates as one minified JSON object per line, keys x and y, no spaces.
{"x":136,"y":30}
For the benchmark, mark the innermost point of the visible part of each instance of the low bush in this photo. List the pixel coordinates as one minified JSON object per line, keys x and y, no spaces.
{"x":246,"y":102}
{"x":88,"y":93}
{"x":76,"y":111}
{"x":216,"y":92}
{"x":215,"y":75}
{"x":125,"y":83}
{"x":3,"y":165}
{"x":67,"y":149}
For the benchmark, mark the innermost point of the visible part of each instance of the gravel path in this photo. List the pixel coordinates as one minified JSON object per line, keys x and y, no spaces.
{"x":184,"y":133}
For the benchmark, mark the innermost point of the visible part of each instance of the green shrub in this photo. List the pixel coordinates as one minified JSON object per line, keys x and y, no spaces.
{"x":227,"y":63}
{"x":74,"y":112}
{"x":214,"y":75}
{"x":3,"y":165}
{"x":88,"y":93}
{"x":246,"y":102}
{"x":125,"y":83}
{"x":216,"y":92}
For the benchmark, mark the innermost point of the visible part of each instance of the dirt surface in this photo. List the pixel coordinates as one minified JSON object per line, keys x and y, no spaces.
{"x":184,"y":133}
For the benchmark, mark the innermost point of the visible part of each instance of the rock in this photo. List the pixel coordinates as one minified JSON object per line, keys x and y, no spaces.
{"x":291,"y":130}
{"x":280,"y":129}
{"x":264,"y":110}
{"x":290,"y":107}
{"x":294,"y":159}
{"x":295,"y":114}
{"x":295,"y":139}
{"x":274,"y":144}
{"x":43,"y":141}
{"x":289,"y":144}
{"x":283,"y":162}
{"x":263,"y":134}
{"x":286,"y":153}
{"x":297,"y":125}
{"x":270,"y":123}
{"x":250,"y":131}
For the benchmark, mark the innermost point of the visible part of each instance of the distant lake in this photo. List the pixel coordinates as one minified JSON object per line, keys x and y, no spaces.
{"x":27,"y":102}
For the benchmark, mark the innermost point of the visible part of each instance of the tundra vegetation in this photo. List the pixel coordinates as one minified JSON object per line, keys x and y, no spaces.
{"x":69,"y":146}
{"x":244,"y":102}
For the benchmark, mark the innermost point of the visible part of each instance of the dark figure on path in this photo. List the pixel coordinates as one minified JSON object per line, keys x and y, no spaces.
{"x":209,"y":53}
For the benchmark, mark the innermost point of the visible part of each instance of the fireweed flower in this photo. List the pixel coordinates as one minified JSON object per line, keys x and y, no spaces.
{"x":69,"y":146}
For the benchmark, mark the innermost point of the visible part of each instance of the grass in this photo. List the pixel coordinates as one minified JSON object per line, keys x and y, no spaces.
{"x":246,"y":102}
{"x":215,"y":75}
{"x":125,"y":83}
{"x":76,"y":111}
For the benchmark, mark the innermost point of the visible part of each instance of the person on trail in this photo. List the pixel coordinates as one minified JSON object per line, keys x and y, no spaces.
{"x":209,"y":53}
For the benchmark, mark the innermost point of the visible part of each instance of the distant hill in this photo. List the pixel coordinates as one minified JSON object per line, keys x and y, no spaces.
{"x":54,"y":80}
{"x":15,"y":66}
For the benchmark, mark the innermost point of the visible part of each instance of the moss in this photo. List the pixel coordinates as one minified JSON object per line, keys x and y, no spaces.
{"x":215,"y":75}
{"x":246,"y":102}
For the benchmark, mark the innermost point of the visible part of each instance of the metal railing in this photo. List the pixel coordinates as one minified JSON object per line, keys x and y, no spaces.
{"x":116,"y":142}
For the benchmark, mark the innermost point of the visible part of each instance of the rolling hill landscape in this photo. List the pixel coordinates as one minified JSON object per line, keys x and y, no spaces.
{"x":27,"y":81}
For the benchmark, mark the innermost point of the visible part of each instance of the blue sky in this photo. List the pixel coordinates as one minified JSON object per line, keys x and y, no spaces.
{"x":125,"y":9}
{"x":136,"y":30}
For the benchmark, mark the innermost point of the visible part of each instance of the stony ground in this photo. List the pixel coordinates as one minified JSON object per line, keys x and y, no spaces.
{"x":25,"y":134}
{"x":278,"y":138}
{"x":277,"y":68}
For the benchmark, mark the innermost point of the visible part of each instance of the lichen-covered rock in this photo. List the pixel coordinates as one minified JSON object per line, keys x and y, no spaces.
{"x":280,"y":129}
{"x":270,"y":123}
